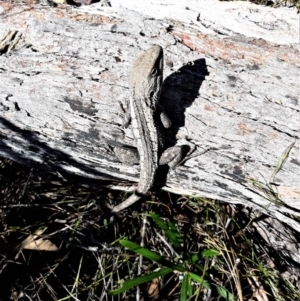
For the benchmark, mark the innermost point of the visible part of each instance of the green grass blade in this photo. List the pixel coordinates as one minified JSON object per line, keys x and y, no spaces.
{"x":198,"y":266}
{"x":199,"y":279}
{"x":151,"y":255}
{"x":169,"y":229}
{"x":184,"y":288}
{"x":194,"y":258}
{"x":223,"y":292}
{"x":139,"y":280}
{"x":190,"y":288}
{"x":210,"y":253}
{"x":173,"y":229}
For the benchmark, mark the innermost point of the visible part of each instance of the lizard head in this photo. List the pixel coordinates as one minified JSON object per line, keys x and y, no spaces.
{"x":145,"y":78}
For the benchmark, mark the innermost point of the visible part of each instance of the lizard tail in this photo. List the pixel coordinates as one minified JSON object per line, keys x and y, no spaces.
{"x":128,"y":202}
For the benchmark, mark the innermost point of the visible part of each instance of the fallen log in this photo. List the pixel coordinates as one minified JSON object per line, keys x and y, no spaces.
{"x":231,"y":87}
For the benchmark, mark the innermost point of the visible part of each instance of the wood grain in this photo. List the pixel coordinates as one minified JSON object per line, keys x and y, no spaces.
{"x":235,"y":90}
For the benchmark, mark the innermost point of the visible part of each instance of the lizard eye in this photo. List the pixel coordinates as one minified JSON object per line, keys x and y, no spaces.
{"x":154,"y":72}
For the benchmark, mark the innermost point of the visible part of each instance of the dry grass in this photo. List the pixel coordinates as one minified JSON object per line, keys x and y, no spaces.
{"x":56,"y":246}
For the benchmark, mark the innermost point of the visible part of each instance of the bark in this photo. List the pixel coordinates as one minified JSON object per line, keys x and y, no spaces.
{"x":231,"y":87}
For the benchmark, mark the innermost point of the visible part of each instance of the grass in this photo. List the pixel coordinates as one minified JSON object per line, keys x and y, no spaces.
{"x":55,"y":246}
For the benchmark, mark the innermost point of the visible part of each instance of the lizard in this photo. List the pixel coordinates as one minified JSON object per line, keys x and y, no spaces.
{"x":147,"y":119}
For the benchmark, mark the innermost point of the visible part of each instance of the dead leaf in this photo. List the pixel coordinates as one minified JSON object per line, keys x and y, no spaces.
{"x":36,"y":242}
{"x":153,"y":290}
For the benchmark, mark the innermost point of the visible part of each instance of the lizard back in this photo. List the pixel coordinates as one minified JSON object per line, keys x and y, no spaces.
{"x":145,"y":81}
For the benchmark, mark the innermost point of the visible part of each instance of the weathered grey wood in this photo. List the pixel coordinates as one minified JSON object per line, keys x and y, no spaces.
{"x":235,"y":90}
